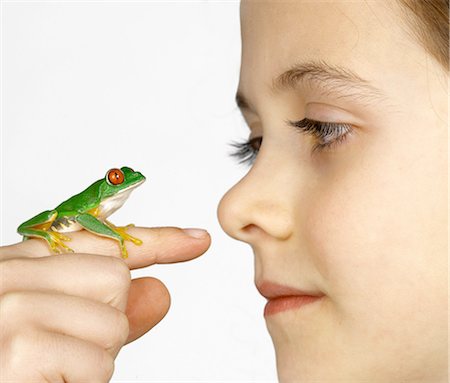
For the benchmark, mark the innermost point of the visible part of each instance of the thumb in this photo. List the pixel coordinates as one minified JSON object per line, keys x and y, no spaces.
{"x":148,"y":303}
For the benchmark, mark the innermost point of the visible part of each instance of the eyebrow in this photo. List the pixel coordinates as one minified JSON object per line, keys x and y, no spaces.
{"x":334,"y":80}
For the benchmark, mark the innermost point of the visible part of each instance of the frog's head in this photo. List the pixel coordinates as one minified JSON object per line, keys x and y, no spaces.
{"x":118,"y":181}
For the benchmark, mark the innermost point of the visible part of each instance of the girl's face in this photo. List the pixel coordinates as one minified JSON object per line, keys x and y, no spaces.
{"x":363,"y":221}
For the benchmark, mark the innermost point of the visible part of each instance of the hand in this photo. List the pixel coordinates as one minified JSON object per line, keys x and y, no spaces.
{"x":64,"y":318}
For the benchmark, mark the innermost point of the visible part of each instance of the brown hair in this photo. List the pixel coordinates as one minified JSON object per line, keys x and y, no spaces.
{"x":428,"y":20}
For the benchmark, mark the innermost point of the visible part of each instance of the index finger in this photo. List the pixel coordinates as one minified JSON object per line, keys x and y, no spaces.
{"x":159,"y":245}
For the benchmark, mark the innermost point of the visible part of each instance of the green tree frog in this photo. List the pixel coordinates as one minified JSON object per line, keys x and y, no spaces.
{"x":87,"y":210}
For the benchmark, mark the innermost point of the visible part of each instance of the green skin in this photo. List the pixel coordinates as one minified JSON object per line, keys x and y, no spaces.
{"x":86,"y":210}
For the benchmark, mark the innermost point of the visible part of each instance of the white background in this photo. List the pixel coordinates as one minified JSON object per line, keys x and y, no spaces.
{"x":87,"y":86}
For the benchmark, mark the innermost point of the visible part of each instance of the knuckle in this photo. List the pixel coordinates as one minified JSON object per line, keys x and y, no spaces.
{"x":106,"y":366}
{"x":120,"y":273}
{"x":158,"y":232}
{"x":9,"y":251}
{"x":21,"y":358}
{"x":119,"y":331}
{"x":11,"y":305}
{"x":122,"y":327}
{"x":10,"y":270}
{"x":17,"y":350}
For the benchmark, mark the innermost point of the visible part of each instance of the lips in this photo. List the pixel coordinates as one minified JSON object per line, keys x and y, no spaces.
{"x":281,"y":298}
{"x":272,"y":290}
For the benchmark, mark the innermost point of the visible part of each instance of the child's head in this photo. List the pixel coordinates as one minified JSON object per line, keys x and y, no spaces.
{"x":356,"y":208}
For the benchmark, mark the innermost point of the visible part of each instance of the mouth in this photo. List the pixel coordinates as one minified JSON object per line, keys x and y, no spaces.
{"x":282,"y":298}
{"x":132,"y":186}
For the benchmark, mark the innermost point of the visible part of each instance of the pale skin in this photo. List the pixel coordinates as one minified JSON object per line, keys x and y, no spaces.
{"x":64,"y":318}
{"x":366,"y":222}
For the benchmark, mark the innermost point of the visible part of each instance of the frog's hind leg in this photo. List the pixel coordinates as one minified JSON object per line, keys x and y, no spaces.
{"x":40,"y":227}
{"x":53,"y":238}
{"x":123,"y":233}
{"x":42,"y":221}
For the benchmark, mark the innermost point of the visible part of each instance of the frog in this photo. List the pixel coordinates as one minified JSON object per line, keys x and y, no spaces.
{"x":87,"y":210}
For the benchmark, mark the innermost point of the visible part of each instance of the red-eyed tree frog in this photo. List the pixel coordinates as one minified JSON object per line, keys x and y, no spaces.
{"x":87,"y":210}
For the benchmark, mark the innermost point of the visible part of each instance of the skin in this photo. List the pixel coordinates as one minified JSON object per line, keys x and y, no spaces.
{"x":365,"y":223}
{"x":81,"y":308}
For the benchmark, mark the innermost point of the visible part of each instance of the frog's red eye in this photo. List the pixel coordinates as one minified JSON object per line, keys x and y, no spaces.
{"x":115,"y":176}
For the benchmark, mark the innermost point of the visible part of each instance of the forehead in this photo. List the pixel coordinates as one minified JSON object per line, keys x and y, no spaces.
{"x":361,"y":35}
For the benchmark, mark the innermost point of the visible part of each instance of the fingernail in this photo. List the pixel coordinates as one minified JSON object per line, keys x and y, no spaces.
{"x":196,"y":233}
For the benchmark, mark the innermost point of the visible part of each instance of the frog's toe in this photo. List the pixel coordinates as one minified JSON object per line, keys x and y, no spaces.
{"x":55,"y":248}
{"x":57,"y":239}
{"x":65,"y":247}
{"x":128,"y":237}
{"x":124,"y":251}
{"x":136,"y":241}
{"x":63,"y":237}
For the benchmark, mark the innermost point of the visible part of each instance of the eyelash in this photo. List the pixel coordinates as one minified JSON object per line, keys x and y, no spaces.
{"x":332,"y":133}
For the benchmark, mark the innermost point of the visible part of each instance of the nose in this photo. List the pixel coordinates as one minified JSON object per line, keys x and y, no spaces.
{"x":258,"y":206}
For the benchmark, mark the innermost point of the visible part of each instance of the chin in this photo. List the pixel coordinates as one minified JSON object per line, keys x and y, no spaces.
{"x":297,"y":364}
{"x":297,"y":352}
{"x":303,"y":342}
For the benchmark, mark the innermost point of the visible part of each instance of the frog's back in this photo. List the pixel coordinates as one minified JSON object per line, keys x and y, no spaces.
{"x":81,"y":202}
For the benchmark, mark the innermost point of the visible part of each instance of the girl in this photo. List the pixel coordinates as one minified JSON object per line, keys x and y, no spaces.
{"x":346,"y":199}
{"x":345,"y":208}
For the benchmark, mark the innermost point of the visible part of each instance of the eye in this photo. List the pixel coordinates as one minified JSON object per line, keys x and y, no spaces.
{"x":114,"y":176}
{"x":328,"y":134}
{"x":246,"y":151}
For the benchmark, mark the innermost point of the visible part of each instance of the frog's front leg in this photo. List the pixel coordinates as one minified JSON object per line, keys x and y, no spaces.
{"x":92,"y":224}
{"x":40,"y":227}
{"x":123,"y":233}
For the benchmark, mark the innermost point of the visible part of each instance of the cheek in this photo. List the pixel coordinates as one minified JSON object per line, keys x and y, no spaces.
{"x":377,"y":229}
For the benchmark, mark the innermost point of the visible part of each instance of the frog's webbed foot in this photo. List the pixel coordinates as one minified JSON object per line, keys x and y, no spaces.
{"x":57,"y":240}
{"x":127,"y":237}
{"x":53,"y":238}
{"x":121,"y":230}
